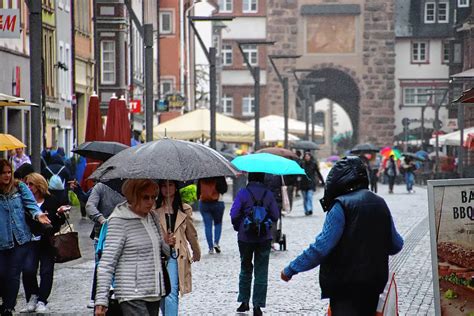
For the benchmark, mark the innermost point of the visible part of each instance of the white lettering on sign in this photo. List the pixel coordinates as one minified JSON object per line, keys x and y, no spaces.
{"x":9,"y":23}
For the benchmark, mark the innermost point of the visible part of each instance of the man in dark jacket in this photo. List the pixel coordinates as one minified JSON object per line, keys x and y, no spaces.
{"x":308,"y":183}
{"x":353,"y":248}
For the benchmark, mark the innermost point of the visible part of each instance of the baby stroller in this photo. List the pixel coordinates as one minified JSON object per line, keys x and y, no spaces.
{"x":285,"y":208}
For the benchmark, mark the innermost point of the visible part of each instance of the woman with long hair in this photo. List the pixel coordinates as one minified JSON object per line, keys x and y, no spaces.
{"x":15,"y":201}
{"x":177,"y":221}
{"x":41,"y":252}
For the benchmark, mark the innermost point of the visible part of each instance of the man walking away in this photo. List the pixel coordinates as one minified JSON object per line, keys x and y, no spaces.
{"x":353,"y":248}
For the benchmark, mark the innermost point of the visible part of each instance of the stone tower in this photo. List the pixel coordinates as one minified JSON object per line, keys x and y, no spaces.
{"x":351,"y":44}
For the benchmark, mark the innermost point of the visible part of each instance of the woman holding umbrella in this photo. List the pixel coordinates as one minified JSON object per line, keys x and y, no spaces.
{"x":176,"y":220}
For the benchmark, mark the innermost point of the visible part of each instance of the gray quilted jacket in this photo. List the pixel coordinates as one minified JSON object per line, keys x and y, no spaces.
{"x":132,"y":256}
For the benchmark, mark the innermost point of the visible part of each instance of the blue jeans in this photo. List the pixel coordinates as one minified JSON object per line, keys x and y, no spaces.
{"x":169,"y":306}
{"x":260,"y":254}
{"x":40,"y":255}
{"x":11,"y":264}
{"x":308,"y":200}
{"x":212,"y":212}
{"x":409,"y":180}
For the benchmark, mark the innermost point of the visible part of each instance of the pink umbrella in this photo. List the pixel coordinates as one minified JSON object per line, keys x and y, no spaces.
{"x":94,"y":129}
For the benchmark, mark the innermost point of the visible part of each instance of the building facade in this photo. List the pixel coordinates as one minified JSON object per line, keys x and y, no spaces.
{"x":15,"y":76}
{"x":62,"y":133}
{"x":112,"y":56}
{"x":84,"y":64}
{"x":423,"y":33}
{"x":237,"y":84}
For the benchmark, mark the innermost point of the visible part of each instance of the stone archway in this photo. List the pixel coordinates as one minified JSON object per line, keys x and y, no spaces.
{"x":340,"y":87}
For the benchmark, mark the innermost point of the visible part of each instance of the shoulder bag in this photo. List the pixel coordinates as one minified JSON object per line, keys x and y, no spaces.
{"x":65,"y":245}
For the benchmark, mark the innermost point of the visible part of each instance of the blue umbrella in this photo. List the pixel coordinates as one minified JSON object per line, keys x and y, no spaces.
{"x":267,"y":163}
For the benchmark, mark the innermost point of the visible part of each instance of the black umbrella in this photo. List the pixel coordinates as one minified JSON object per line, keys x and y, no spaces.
{"x":165,"y":159}
{"x":305,"y":145}
{"x":365,"y":149}
{"x":99,"y":150}
{"x":413,"y":156}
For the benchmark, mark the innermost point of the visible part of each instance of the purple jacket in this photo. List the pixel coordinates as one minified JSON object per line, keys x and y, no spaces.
{"x":242,"y":205}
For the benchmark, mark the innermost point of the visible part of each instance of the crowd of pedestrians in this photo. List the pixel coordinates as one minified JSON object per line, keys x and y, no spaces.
{"x":145,"y":240}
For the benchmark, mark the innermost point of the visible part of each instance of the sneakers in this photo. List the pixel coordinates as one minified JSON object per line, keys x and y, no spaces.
{"x":91,"y":304}
{"x":257,"y":311}
{"x":41,"y":307}
{"x":244,"y":307}
{"x":211,"y":251}
{"x":31,"y":305}
{"x":217,"y":248}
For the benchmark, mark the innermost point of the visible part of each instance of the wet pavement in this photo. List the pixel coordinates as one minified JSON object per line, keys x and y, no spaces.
{"x":215,"y":277}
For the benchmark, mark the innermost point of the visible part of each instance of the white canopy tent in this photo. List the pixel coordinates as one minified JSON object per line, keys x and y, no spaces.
{"x":452,"y":139}
{"x":196,"y":125}
{"x":295,"y":127}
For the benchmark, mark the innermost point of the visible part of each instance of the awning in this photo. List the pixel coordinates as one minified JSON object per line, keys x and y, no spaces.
{"x":8,"y":100}
{"x":465,"y":74}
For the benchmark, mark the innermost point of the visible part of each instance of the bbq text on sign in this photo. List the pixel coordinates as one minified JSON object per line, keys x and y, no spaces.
{"x":9,"y":23}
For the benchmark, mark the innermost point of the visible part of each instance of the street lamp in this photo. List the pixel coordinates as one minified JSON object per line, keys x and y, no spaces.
{"x":146,"y":33}
{"x":436,"y":125}
{"x":308,"y":83}
{"x":284,"y":84}
{"x":211,"y":58}
{"x":255,"y":72}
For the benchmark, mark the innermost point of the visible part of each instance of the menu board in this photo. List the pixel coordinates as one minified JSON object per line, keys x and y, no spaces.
{"x":451,"y":210}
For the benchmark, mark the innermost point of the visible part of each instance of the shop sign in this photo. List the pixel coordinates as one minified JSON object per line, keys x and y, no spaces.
{"x":451,"y":211}
{"x":9,"y":23}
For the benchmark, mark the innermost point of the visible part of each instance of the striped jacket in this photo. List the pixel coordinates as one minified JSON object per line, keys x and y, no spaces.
{"x":131,"y":255}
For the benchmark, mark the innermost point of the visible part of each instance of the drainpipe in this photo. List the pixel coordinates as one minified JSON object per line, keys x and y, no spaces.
{"x":182,"y":35}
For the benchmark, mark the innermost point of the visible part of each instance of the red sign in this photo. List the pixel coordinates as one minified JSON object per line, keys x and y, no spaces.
{"x":135,"y":106}
{"x":17,"y":81}
{"x":9,"y":23}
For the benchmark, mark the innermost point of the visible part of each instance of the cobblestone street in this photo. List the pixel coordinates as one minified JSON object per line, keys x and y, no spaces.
{"x":215,"y":277}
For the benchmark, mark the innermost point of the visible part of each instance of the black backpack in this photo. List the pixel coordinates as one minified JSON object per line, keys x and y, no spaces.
{"x":257,"y":221}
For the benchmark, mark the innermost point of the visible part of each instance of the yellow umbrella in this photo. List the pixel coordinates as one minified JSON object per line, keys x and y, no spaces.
{"x":8,"y":142}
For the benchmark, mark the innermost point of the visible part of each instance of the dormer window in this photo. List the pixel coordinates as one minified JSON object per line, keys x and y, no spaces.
{"x":436,"y":13}
{"x":463,"y":3}
{"x":443,"y":12}
{"x":430,"y":12}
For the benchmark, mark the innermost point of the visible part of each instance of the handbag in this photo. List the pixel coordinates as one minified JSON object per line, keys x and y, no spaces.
{"x":65,"y":245}
{"x":285,"y":200}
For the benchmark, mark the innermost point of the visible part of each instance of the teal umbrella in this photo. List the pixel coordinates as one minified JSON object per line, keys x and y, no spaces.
{"x":267,"y":163}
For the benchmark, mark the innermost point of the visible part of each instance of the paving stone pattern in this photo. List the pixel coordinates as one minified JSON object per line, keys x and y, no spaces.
{"x":215,"y":277}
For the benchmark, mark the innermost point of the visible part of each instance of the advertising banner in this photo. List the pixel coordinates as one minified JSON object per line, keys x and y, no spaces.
{"x":9,"y":23}
{"x":451,"y":210}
